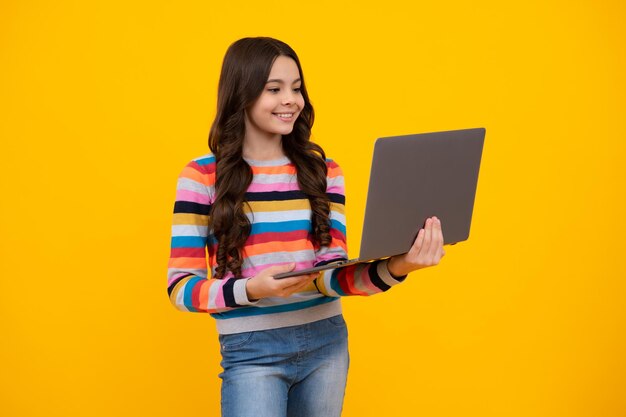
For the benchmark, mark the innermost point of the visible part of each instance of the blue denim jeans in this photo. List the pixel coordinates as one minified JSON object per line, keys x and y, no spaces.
{"x":292,"y":371}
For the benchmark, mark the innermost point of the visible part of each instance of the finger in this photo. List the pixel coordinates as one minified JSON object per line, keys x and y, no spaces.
{"x":297,"y":280}
{"x":419,"y":242}
{"x":272,"y":271}
{"x":439,"y":233}
{"x":306,"y":277}
{"x":290,"y":281}
{"x":428,"y":232}
{"x":436,"y":240}
{"x":299,"y":286}
{"x":279,"y":269}
{"x":286,"y":291}
{"x":430,"y":253}
{"x":438,"y":254}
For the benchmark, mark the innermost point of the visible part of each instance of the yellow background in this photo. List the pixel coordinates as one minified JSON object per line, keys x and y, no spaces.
{"x":103,"y":102}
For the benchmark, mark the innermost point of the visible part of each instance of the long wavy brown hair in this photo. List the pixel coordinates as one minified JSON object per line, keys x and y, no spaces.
{"x":245,"y":70}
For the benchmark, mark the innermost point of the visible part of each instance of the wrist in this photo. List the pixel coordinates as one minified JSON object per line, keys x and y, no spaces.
{"x":395,"y":267}
{"x":251,"y":290}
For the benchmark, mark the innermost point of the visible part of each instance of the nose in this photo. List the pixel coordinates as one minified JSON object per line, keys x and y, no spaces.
{"x":289,"y":97}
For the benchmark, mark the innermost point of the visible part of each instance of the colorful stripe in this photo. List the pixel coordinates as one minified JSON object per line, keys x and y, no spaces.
{"x":281,"y":232}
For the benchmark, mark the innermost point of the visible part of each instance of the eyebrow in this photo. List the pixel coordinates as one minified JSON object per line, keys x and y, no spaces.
{"x":276,"y":80}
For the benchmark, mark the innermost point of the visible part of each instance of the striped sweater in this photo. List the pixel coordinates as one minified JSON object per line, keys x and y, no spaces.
{"x":280,"y":216}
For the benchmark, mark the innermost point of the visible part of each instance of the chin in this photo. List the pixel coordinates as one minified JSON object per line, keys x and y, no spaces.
{"x":284,"y":131}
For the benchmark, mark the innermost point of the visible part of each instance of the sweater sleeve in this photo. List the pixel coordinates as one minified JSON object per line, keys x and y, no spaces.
{"x":359,"y":279}
{"x":189,"y":287}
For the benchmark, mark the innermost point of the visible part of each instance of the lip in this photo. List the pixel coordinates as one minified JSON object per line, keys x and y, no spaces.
{"x":286,"y":119}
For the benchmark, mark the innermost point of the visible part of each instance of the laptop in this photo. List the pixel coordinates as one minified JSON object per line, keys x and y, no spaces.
{"x":414,"y":177}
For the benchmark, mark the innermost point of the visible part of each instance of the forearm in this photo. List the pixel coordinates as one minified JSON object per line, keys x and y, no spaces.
{"x":359,"y":279}
{"x":196,"y":294}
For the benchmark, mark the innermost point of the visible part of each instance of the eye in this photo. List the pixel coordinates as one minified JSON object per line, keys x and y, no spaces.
{"x":273,"y":90}
{"x":297,"y":90}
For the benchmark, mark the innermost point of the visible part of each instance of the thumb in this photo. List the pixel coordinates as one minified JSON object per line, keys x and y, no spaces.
{"x":284,"y":268}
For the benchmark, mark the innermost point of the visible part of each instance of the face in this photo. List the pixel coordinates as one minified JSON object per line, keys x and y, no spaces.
{"x":274,"y":113}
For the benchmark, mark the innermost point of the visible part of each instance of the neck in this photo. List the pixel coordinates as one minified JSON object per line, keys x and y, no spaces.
{"x":263,"y":148}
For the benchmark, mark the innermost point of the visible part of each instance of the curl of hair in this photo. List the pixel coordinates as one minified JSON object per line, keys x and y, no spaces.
{"x":246,"y":67}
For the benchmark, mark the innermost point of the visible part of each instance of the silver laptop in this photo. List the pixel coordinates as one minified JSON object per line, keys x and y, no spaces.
{"x":414,"y":177}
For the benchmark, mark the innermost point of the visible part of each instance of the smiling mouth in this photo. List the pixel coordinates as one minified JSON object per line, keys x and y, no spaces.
{"x":284,"y":116}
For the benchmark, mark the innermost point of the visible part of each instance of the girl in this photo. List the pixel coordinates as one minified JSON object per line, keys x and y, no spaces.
{"x":266,"y":200}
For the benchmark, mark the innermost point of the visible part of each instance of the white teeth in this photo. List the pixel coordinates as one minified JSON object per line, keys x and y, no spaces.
{"x":284,"y":115}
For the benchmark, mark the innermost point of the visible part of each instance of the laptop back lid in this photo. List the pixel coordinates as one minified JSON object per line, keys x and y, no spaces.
{"x":414,"y":177}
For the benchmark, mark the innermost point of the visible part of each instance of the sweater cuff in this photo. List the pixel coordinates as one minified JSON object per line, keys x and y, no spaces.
{"x":241,"y":295}
{"x":383,"y":272}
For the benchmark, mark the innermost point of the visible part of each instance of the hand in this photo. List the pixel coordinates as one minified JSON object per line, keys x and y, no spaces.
{"x":265,"y":285}
{"x":427,"y":250}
